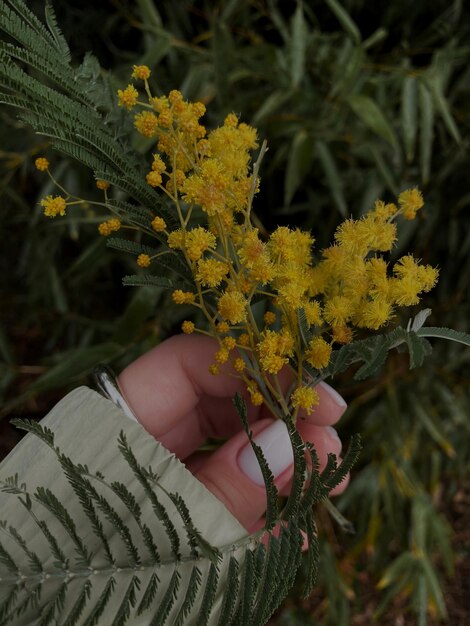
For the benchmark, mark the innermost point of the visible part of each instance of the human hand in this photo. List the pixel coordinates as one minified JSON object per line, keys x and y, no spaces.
{"x":178,"y":401}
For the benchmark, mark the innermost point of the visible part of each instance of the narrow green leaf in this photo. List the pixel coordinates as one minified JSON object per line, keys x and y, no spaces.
{"x":298,"y":45}
{"x":209,"y":595}
{"x":273,"y":103}
{"x":230,"y":593}
{"x":434,"y":84}
{"x":299,"y":162}
{"x":426,"y":130}
{"x":445,"y":333}
{"x":149,"y":280}
{"x":345,"y":20}
{"x":369,"y":112}
{"x":334,"y":180}
{"x":384,"y":170}
{"x":434,"y":428}
{"x":409,"y":115}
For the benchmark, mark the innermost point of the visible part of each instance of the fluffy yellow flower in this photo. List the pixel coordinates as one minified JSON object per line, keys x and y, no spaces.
{"x":337,"y":310}
{"x":197,"y":241}
{"x":158,"y":165}
{"x":176,"y":239}
{"x":244,"y":339}
{"x":187,"y":327}
{"x":111,"y":225}
{"x":222,"y":327}
{"x":183,"y":297}
{"x":42,"y":164}
{"x":210,"y":273}
{"x":374,"y":314}
{"x":341,"y":334}
{"x":269,"y":318}
{"x":312,"y":309}
{"x":154,"y":179}
{"x":318,"y":353}
{"x":239,"y":365}
{"x":103,"y":185}
{"x":146,"y":123}
{"x":232,"y":307}
{"x":53,"y":206}
{"x":158,"y":224}
{"x":214,"y":369}
{"x":410,"y":202}
{"x":143,"y":260}
{"x":128,"y":97}
{"x":305,"y":398}
{"x":141,"y":72}
{"x":221,"y":356}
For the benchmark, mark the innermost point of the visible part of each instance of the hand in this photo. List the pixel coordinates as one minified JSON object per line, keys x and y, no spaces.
{"x":181,"y":404}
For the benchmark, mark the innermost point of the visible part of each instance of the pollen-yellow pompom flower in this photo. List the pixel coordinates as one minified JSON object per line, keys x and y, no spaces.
{"x":318,"y":353}
{"x":53,"y":206}
{"x":269,"y":318}
{"x":42,"y":164}
{"x":187,"y":327}
{"x":410,"y":202}
{"x":239,"y":365}
{"x":154,"y":179}
{"x":146,"y":123}
{"x":210,"y":272}
{"x":305,"y":398}
{"x":112,"y":225}
{"x":128,"y":97}
{"x":197,"y":241}
{"x":143,"y":260}
{"x":158,"y":224}
{"x":342,"y":334}
{"x":141,"y":72}
{"x":103,"y":185}
{"x":232,"y":307}
{"x":183,"y":297}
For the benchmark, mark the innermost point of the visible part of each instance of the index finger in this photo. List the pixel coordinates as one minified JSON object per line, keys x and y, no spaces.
{"x":166,"y":385}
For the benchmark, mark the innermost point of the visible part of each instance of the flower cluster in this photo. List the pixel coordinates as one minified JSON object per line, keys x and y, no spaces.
{"x":337,"y":291}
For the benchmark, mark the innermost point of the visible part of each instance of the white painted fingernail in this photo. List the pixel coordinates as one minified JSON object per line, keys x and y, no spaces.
{"x":277,"y":449}
{"x":334,"y":395}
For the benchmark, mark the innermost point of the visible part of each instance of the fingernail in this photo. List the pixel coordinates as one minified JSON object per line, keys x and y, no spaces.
{"x":334,"y":395}
{"x":332,"y":432}
{"x":277,"y":449}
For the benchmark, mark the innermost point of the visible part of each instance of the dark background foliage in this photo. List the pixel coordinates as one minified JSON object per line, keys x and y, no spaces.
{"x":358,"y":101}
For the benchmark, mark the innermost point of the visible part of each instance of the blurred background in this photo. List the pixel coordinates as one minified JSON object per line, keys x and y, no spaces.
{"x":358,"y":101}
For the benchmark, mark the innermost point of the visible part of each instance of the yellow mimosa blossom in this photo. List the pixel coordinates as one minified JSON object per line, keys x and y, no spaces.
{"x":42,"y":164}
{"x":143,"y":260}
{"x":312,"y":309}
{"x":154,"y":178}
{"x":183,"y":297}
{"x":337,"y":310}
{"x":222,"y":327}
{"x":210,"y":272}
{"x":341,"y":334}
{"x":318,"y":353}
{"x":269,"y":318}
{"x":410,"y":202}
{"x":187,"y":327}
{"x":158,"y":165}
{"x":146,"y":123}
{"x":232,"y":307}
{"x":197,"y":241}
{"x":53,"y":206}
{"x":141,"y":72}
{"x":176,"y":239}
{"x":128,"y":97}
{"x":244,"y":339}
{"x":229,"y":342}
{"x":221,"y":356}
{"x":239,"y":365}
{"x":112,"y":225}
{"x":214,"y":369}
{"x":305,"y":398}
{"x":103,"y":185}
{"x":373,"y":314}
{"x":158,"y":224}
